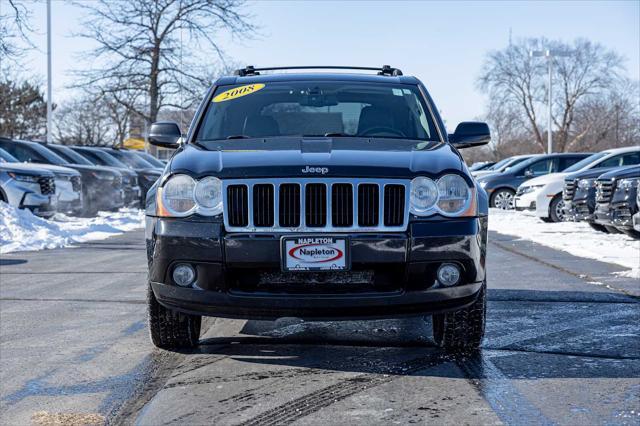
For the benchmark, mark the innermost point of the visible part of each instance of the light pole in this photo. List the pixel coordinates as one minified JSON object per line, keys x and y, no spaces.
{"x":549,"y":54}
{"x":49,"y":104}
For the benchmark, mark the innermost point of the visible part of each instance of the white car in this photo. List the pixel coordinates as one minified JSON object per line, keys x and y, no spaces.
{"x":543,"y":194}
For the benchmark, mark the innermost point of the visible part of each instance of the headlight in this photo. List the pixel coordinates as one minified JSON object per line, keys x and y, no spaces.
{"x":453,"y":194}
{"x":24,"y":178}
{"x":424,"y":195}
{"x":103,"y":176}
{"x":586,"y":183}
{"x":182,"y":196}
{"x":629,"y":183}
{"x":450,"y":196}
{"x":209,"y":195}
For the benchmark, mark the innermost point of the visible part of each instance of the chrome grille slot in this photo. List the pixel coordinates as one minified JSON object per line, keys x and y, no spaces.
{"x":569,"y":189}
{"x":316,"y":205}
{"x":393,"y":205}
{"x":289,"y":211}
{"x":237,"y":205}
{"x":76,"y":183}
{"x":47,"y":185}
{"x":342,"y":205}
{"x":604,"y":191}
{"x":263,"y":205}
{"x":368,"y":204}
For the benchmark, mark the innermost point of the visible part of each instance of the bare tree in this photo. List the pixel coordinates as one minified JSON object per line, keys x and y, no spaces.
{"x":511,"y":74}
{"x":83,"y":121}
{"x":14,"y":28}
{"x":151,"y":46}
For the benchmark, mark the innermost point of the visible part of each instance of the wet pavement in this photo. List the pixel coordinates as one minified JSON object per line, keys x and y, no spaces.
{"x":562,"y":347}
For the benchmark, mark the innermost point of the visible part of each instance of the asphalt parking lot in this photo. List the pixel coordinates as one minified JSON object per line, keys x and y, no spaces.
{"x":562,"y":346}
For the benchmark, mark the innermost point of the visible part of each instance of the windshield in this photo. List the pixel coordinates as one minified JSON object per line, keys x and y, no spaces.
{"x":317,"y":108}
{"x":130,"y":159}
{"x":70,"y":155}
{"x":101,"y":158}
{"x":150,"y":159}
{"x":49,"y":155}
{"x":585,"y":162}
{"x":499,"y":164}
{"x":5,"y":157}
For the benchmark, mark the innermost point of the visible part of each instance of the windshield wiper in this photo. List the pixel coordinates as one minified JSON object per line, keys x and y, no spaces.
{"x":238,"y":137}
{"x":334,"y":134}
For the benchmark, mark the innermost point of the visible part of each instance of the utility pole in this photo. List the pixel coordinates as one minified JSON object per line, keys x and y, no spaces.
{"x":549,"y":54}
{"x":49,"y":78}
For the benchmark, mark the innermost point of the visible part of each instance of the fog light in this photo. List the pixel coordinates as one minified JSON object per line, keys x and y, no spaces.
{"x":184,"y":275}
{"x":448,"y":274}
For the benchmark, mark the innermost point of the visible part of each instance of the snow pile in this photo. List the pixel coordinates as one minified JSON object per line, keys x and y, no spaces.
{"x":576,"y":238}
{"x":21,"y":230}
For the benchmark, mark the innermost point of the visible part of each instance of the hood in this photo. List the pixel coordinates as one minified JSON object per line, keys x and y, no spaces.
{"x":622,"y":173}
{"x":150,"y":171}
{"x":481,"y":173}
{"x":25,"y":168}
{"x":588,"y":174}
{"x":323,"y":157}
{"x":86,"y":168}
{"x":57,"y":170}
{"x":545,"y":179}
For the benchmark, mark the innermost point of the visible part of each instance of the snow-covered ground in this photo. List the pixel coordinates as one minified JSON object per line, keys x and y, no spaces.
{"x":576,"y":238}
{"x":20,"y":230}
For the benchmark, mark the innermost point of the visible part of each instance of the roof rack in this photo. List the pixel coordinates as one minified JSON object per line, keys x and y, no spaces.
{"x":384,"y":70}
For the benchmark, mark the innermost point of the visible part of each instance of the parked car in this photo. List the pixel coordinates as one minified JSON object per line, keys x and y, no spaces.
{"x":483,"y":165}
{"x":129,"y":177}
{"x":616,"y":193}
{"x":502,"y":187}
{"x":544,"y":189}
{"x":27,"y":186}
{"x":579,"y":196}
{"x":102,"y":186}
{"x":147,"y":174}
{"x":277,"y":205}
{"x":502,"y":165}
{"x":68,"y":180}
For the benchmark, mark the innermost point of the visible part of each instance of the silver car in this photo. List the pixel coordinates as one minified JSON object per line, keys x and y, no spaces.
{"x":26,"y":186}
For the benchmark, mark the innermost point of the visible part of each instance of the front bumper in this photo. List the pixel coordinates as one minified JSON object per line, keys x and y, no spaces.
{"x":525,"y":201}
{"x":40,"y":205}
{"x":225,"y":263}
{"x":636,"y":221}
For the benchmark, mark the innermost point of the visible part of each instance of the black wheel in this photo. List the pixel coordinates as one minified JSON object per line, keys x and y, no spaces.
{"x":612,"y":229}
{"x":503,"y":199}
{"x":170,"y":329}
{"x":556,"y":209}
{"x":462,"y":330}
{"x":598,"y":228}
{"x":632,"y":233}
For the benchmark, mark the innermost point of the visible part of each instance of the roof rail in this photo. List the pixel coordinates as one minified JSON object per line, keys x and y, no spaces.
{"x":384,"y":70}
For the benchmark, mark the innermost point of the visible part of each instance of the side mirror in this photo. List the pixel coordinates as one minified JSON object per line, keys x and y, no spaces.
{"x":470,"y":133}
{"x":528,"y":174}
{"x":165,"y":134}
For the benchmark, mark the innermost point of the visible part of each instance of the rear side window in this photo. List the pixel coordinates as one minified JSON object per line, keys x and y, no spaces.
{"x":628,"y":159}
{"x":542,"y":167}
{"x":317,"y":108}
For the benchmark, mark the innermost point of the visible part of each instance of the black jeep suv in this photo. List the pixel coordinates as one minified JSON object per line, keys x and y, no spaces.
{"x":319,"y":196}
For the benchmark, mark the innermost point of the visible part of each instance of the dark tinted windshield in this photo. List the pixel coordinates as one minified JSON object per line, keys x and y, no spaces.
{"x":585,"y":162}
{"x":130,"y":159}
{"x":308,"y":108}
{"x":101,"y":158}
{"x":70,"y":155}
{"x":5,"y":157}
{"x":150,"y":159}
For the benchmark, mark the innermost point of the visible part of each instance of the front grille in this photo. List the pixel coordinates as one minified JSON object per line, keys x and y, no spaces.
{"x":393,"y":205}
{"x":569,"y":189}
{"x":315,"y":204}
{"x":47,"y":185}
{"x":238,"y":203}
{"x":76,"y":183}
{"x":604,"y":191}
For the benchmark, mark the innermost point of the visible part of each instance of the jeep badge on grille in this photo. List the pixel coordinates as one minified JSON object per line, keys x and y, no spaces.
{"x":321,"y":170}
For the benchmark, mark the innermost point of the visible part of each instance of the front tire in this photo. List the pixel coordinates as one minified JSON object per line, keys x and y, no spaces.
{"x":171,"y":329}
{"x":556,"y":209}
{"x":462,"y":330}
{"x":503,"y":199}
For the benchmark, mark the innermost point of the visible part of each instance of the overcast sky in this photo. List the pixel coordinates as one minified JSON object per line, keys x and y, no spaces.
{"x":442,"y":43}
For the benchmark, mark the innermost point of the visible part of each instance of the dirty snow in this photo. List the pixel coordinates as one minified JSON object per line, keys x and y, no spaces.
{"x":576,"y":238}
{"x":21,"y":230}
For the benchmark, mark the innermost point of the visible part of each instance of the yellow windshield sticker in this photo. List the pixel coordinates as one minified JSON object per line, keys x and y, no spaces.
{"x":238,"y":92}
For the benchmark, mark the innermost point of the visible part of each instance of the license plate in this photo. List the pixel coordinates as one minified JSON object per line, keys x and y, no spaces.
{"x":315,"y":254}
